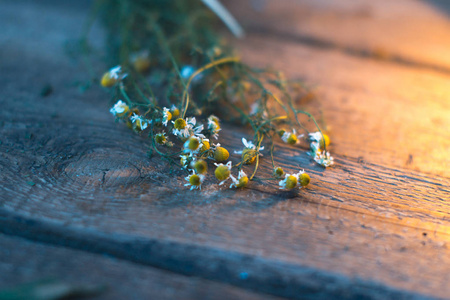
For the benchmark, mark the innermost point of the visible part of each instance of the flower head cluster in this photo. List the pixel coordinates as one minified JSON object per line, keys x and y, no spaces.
{"x":319,"y":141}
{"x":290,"y":137}
{"x":291,"y":181}
{"x":249,"y":152}
{"x":113,"y":76}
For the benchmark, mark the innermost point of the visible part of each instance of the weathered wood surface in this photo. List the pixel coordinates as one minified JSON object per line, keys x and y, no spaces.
{"x":24,"y":262}
{"x":367,"y":227}
{"x":410,"y":32}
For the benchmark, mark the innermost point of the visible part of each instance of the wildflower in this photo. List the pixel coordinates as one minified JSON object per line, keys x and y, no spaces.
{"x":200,"y":166}
{"x":223,"y":172}
{"x":141,"y":61}
{"x":185,"y":161}
{"x":195,"y":181}
{"x":161,"y":138}
{"x":205,"y":145}
{"x":119,"y":109}
{"x":241,"y":181}
{"x":167,"y":116}
{"x":320,"y":138}
{"x":139,"y":122}
{"x":324,"y":158}
{"x":249,"y":152}
{"x":113,"y":76}
{"x":214,"y":126}
{"x":291,"y":138}
{"x":220,"y":154}
{"x":278,"y":172}
{"x":289,"y":182}
{"x":192,"y":145}
{"x":174,"y":111}
{"x":303,"y":178}
{"x":186,"y":128}
{"x":315,"y":148}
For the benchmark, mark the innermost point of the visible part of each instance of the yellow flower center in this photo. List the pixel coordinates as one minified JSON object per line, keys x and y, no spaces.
{"x":175,"y":112}
{"x":108,"y":80}
{"x":278,"y":172}
{"x":179,"y":123}
{"x":160,"y":138}
{"x":248,"y":156}
{"x":243,"y":181}
{"x":292,"y":139}
{"x":141,"y":64}
{"x":304,"y":179}
{"x":194,"y":179}
{"x":221,"y":154}
{"x":200,"y":166}
{"x":168,"y":116}
{"x":205,"y":146}
{"x":222,"y":172}
{"x":291,"y":182}
{"x":193,"y":143}
{"x":327,"y":141}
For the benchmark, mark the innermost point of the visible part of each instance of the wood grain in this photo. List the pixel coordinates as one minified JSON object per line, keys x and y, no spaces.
{"x":369,"y":227}
{"x":409,"y":32}
{"x":122,"y":280}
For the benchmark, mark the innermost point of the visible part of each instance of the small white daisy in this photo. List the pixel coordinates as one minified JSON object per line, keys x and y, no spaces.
{"x":195,"y":180}
{"x":248,"y":145}
{"x":291,"y":138}
{"x":289,"y":182}
{"x":324,"y":158}
{"x":192,"y":145}
{"x":167,"y":116}
{"x":139,"y":122}
{"x":213,"y":126}
{"x":222,"y":172}
{"x":119,"y":109}
{"x":241,"y":181}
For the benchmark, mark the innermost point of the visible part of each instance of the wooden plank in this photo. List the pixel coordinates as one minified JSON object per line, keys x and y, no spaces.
{"x":385,"y":113}
{"x":406,"y":31}
{"x":22,"y":262}
{"x":373,"y":227}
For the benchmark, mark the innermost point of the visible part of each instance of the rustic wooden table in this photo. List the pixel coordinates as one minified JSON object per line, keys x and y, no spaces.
{"x":80,"y":200}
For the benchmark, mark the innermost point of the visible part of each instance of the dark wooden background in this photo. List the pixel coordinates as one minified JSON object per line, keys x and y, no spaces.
{"x":81,"y":201}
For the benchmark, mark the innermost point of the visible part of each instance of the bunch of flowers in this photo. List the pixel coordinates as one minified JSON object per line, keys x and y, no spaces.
{"x":212,"y":82}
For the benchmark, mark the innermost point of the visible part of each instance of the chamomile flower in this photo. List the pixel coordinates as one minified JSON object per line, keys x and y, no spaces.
{"x":278,"y":172}
{"x":186,"y":128}
{"x":141,"y":61}
{"x":119,"y":109}
{"x":291,"y":138}
{"x":113,"y":76}
{"x":174,"y":111}
{"x":139,"y":122}
{"x":219,"y":153}
{"x":223,"y":172}
{"x":192,"y":145}
{"x":289,"y":182}
{"x":200,"y":166}
{"x":241,"y":181}
{"x":324,"y":158}
{"x":185,"y":161}
{"x":205,"y":145}
{"x":320,"y":138}
{"x":161,"y":138}
{"x":195,"y":180}
{"x":314,"y":148}
{"x":167,"y":116}
{"x":214,"y":126}
{"x":249,"y":152}
{"x":303,"y":178}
